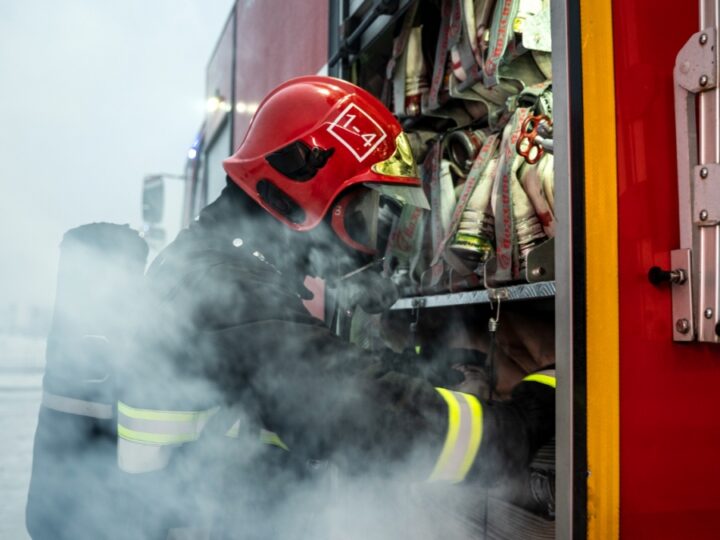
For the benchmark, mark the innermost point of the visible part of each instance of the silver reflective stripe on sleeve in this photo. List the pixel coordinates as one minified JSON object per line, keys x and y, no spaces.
{"x":64,"y":404}
{"x":135,"y":458}
{"x":463,"y":438}
{"x":546,"y":377}
{"x":146,"y":436}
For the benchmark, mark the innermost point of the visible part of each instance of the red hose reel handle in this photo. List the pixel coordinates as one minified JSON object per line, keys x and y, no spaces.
{"x":528,"y":133}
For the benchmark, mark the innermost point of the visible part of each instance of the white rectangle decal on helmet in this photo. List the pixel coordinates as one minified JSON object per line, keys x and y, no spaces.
{"x":357,"y":131}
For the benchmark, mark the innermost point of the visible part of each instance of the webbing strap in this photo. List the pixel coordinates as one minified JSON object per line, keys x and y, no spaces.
{"x":465,"y":54}
{"x":396,"y":65}
{"x":501,"y":33}
{"x":483,"y":12}
{"x":79,"y":407}
{"x":546,"y":377}
{"x":441,"y":53}
{"x":506,"y":243}
{"x":463,"y":438}
{"x":161,"y":427}
{"x":432,"y":171}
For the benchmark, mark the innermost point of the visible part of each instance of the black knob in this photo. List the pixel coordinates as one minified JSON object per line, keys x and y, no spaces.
{"x":657,"y":275}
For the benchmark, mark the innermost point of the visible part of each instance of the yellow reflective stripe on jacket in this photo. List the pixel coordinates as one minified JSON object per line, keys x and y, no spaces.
{"x":161,"y":427}
{"x":154,"y":438}
{"x":546,"y":377}
{"x":463,"y":438}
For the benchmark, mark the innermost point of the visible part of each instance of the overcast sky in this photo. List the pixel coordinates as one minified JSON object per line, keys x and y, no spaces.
{"x":94,"y":94}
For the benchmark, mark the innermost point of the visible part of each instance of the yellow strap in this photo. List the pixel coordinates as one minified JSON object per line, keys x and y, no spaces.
{"x":542,"y":379}
{"x":234,"y":431}
{"x":270,"y":437}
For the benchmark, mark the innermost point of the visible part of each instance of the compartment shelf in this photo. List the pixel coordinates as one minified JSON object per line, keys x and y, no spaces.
{"x":525,"y":291}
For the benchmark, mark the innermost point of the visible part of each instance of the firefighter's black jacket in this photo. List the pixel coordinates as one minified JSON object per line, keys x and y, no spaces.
{"x":229,"y":328}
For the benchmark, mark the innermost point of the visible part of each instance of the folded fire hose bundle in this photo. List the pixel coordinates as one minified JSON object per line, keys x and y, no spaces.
{"x":475,"y":96}
{"x":471,"y":82}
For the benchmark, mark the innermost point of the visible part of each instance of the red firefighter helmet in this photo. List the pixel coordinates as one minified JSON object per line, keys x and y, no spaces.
{"x":310,"y":140}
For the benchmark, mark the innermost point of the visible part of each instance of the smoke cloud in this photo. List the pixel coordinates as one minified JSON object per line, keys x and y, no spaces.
{"x":210,"y":337}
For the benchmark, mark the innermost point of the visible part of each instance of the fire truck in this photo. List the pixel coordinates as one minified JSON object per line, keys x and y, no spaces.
{"x":630,"y":270}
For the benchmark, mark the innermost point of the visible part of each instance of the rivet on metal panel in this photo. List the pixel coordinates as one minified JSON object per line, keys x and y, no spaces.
{"x":682,"y":304}
{"x":704,"y":173}
{"x":682,"y":326}
{"x":538,"y":272}
{"x":696,"y":65}
{"x":703,"y":39}
{"x":708,"y":313}
{"x":703,"y":215}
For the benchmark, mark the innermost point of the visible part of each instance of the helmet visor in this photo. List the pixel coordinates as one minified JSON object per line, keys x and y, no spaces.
{"x":414,"y":196}
{"x":401,"y":163}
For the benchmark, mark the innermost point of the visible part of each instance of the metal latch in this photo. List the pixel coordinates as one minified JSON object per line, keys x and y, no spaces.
{"x":695,"y":273}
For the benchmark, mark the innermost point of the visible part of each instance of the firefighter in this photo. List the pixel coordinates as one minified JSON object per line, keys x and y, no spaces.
{"x":235,"y":388}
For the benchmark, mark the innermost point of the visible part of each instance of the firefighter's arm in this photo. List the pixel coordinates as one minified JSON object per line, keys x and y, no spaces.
{"x":487,"y":440}
{"x":328,"y":399}
{"x":506,"y":434}
{"x":454,"y":436}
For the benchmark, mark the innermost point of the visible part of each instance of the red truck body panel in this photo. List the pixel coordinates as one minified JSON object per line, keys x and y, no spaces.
{"x":276,"y":40}
{"x":669,"y":427}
